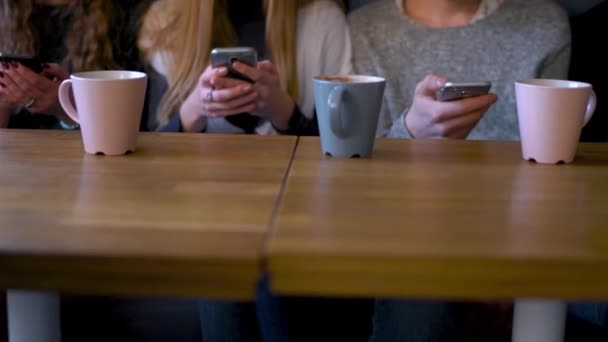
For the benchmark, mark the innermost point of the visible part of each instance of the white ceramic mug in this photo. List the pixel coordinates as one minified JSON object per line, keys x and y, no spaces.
{"x":109,"y":105}
{"x":552,"y":114}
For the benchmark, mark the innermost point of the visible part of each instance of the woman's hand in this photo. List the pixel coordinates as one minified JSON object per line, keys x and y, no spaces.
{"x":272,"y":102}
{"x":428,"y":118}
{"x":216,"y":96}
{"x":21,"y":87}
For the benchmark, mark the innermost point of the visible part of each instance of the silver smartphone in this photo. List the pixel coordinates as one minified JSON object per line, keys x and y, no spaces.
{"x":460,"y":90}
{"x":226,"y":57}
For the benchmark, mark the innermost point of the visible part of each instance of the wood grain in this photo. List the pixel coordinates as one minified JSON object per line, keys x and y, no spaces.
{"x":447,"y":219}
{"x":186,"y":215}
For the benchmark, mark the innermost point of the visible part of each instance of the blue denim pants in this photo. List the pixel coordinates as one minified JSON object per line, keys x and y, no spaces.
{"x":434,"y":321}
{"x":590,"y":312}
{"x":286,"y":319}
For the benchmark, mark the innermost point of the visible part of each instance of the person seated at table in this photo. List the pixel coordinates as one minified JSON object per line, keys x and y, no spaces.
{"x":418,"y":45}
{"x":66,"y":35}
{"x":296,"y":40}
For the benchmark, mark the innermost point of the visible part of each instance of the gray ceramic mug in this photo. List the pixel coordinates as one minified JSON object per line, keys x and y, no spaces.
{"x":348,"y":108}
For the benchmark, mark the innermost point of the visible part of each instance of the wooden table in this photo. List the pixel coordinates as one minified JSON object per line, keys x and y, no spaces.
{"x":190,"y":215}
{"x":186,"y":215}
{"x":443,"y":219}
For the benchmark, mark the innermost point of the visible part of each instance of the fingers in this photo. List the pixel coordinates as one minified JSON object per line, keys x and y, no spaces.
{"x":250,"y":72}
{"x":29,"y":79}
{"x":228,"y":82}
{"x":263,"y":95}
{"x":12,"y":93}
{"x":460,"y":127}
{"x":268,"y":67}
{"x":243,"y":109}
{"x":222,"y":102}
{"x":232,"y":106}
{"x":444,"y":111}
{"x":430,"y":84}
{"x":21,"y":86}
{"x":218,"y":78}
{"x":210,"y":95}
{"x":210,"y":74}
{"x":462,"y":133}
{"x":28,"y":85}
{"x":55,"y":71}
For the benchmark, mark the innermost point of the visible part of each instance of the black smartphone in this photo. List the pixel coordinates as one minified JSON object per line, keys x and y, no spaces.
{"x":27,"y":61}
{"x":225,"y":57}
{"x":460,"y":90}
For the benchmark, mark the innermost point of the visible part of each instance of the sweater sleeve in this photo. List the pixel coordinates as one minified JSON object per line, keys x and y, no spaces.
{"x":556,"y":65}
{"x":398,"y":129}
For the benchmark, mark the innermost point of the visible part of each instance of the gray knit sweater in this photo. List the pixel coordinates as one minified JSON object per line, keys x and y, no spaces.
{"x":521,"y":39}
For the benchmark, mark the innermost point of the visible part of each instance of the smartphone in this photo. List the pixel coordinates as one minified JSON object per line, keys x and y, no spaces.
{"x":460,"y":90}
{"x":225,"y":57}
{"x":27,"y":61}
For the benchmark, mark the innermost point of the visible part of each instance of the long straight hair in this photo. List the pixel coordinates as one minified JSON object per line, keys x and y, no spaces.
{"x":178,"y":35}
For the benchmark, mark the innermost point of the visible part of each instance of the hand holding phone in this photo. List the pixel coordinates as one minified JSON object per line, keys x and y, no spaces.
{"x":215,"y":96}
{"x":460,"y":90}
{"x":429,"y":118}
{"x":226,"y":57}
{"x":29,"y":62}
{"x":35,"y":92}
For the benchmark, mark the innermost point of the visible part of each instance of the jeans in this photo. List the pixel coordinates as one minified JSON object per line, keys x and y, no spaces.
{"x":595,"y":313}
{"x":412,"y":321}
{"x":427,"y":321}
{"x":286,"y":319}
{"x":228,"y":321}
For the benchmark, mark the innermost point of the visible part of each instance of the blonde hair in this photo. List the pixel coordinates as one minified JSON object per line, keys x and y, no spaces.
{"x":179,"y":34}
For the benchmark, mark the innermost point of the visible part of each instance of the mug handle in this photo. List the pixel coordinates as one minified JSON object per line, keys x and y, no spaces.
{"x":590,"y":107}
{"x":334,"y":101}
{"x":66,"y":101}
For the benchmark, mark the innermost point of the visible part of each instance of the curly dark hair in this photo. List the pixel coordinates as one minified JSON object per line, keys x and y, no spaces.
{"x":96,"y":36}
{"x":15,"y":25}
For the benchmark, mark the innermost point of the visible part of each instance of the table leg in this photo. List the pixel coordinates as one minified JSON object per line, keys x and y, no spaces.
{"x":539,"y":321}
{"x":33,"y":316}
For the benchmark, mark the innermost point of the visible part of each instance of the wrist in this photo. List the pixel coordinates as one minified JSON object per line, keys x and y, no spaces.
{"x":283,"y":114}
{"x":190,"y":119}
{"x":406,"y":127}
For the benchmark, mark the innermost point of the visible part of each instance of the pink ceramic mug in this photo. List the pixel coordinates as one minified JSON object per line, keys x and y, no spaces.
{"x":110,"y":105}
{"x":552,"y":114}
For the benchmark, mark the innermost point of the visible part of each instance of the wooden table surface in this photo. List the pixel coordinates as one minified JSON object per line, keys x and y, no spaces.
{"x":185,"y":215}
{"x":447,"y":219}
